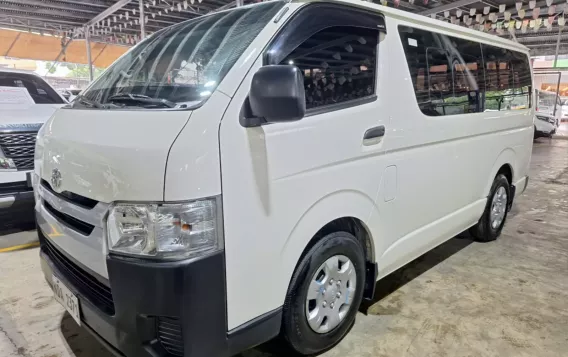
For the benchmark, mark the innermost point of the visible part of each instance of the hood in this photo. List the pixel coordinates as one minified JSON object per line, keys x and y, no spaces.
{"x":109,"y":155}
{"x":27,"y":114}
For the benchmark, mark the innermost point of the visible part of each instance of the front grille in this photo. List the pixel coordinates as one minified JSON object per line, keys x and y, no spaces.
{"x":88,"y":286}
{"x":20,"y":147}
{"x":170,"y":336}
{"x":71,"y":197}
{"x":82,"y":227}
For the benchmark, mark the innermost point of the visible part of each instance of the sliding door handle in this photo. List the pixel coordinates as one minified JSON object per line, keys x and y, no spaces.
{"x":374,"y":133}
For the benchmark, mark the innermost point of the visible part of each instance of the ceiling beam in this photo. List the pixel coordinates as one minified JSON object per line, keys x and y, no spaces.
{"x":18,"y":9}
{"x":108,"y":11}
{"x":45,"y":19}
{"x":447,"y":7}
{"x":53,"y":5}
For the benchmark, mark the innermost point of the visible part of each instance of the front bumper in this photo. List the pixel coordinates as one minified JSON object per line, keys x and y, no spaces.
{"x":145,"y":293}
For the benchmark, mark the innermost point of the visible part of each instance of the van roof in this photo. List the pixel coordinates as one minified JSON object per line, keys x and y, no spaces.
{"x":427,"y":21}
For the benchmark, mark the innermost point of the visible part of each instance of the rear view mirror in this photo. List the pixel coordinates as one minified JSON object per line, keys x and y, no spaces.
{"x":276,"y":95}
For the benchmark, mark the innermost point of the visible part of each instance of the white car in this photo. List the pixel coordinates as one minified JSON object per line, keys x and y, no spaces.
{"x":544,"y":125}
{"x":26,"y":102}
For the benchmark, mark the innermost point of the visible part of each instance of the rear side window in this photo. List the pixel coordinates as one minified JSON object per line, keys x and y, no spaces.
{"x":507,"y":79}
{"x":456,"y":76}
{"x":338,"y":64}
{"x":40,"y":91}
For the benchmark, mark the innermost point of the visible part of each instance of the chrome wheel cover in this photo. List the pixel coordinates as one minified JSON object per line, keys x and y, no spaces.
{"x":498,"y":207}
{"x":330,"y":294}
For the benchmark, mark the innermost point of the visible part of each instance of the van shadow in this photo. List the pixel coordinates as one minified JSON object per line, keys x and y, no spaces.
{"x":80,"y":343}
{"x":417,"y":267}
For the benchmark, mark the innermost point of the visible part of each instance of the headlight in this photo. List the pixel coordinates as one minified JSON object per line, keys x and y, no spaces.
{"x":7,"y":164}
{"x":169,"y":231}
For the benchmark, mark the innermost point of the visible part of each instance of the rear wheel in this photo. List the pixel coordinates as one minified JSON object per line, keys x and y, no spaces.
{"x":493,"y":219}
{"x":324,"y":294}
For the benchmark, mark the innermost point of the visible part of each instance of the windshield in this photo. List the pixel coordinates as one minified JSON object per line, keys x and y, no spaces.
{"x":179,"y":67}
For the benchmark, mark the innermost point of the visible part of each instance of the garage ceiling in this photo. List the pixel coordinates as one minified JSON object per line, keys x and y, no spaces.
{"x":115,"y":21}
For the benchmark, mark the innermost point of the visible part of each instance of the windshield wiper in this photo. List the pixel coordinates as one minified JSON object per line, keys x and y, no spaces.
{"x":89,"y":103}
{"x":140,"y":98}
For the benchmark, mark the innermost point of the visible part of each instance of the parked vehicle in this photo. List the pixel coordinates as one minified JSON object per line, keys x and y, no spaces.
{"x":26,"y":102}
{"x":255,"y":171}
{"x":544,"y":125}
{"x":564,"y":110}
{"x":549,"y":103}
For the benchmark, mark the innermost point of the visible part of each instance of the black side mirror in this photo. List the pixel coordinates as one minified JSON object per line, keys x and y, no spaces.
{"x":276,"y":95}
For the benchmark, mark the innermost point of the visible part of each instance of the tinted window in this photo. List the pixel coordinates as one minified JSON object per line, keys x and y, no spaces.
{"x":338,"y":64}
{"x":445,"y":71}
{"x":40,"y":91}
{"x":507,"y":79}
{"x":182,"y":64}
{"x":450,"y":75}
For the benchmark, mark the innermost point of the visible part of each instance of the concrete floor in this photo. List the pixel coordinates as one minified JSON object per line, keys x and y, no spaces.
{"x":506,"y":298}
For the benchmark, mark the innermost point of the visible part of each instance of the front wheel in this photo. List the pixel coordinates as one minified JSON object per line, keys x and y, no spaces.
{"x":493,"y":219}
{"x":324,"y":294}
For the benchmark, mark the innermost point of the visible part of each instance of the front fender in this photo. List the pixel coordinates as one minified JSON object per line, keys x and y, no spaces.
{"x":336,"y":205}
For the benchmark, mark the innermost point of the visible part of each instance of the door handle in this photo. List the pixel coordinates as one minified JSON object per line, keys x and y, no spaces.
{"x":374,"y":134}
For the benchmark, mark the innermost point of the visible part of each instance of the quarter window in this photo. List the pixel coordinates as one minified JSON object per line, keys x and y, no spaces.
{"x":338,"y":63}
{"x":507,"y":78}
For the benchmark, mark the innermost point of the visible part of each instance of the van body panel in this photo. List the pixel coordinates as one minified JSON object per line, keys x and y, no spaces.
{"x":95,"y":160}
{"x":278,"y":181}
{"x":193,"y":168}
{"x":436,"y":157}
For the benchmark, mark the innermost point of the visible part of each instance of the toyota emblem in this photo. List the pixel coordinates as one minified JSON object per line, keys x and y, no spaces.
{"x":56,"y":178}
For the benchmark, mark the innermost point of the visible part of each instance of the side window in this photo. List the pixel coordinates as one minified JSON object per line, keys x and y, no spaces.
{"x":445,"y":71}
{"x":338,"y":63}
{"x":507,"y":79}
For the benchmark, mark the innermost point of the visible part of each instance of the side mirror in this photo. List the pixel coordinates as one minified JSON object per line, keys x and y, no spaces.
{"x":276,"y":95}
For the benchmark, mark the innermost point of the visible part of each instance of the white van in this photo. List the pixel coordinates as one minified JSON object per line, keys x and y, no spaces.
{"x":26,"y":102}
{"x":254,"y":172}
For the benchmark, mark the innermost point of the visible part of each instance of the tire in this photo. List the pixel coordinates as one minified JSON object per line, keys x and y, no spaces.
{"x":484,"y":231}
{"x":296,"y":330}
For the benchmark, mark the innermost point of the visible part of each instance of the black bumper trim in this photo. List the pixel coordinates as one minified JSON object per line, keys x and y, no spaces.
{"x":20,"y":211}
{"x":192,"y":291}
{"x":255,"y":332}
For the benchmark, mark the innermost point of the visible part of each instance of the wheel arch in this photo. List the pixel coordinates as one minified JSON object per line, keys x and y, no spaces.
{"x":504,"y":164}
{"x":341,"y":211}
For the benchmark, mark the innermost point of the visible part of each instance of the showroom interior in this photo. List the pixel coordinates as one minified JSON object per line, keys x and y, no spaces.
{"x":462,"y":298}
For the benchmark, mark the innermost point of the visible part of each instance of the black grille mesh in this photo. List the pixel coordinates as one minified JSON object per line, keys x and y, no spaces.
{"x":92,"y":289}
{"x":170,"y":336}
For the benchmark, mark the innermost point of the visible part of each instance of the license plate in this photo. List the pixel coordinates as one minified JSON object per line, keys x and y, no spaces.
{"x":67,"y":299}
